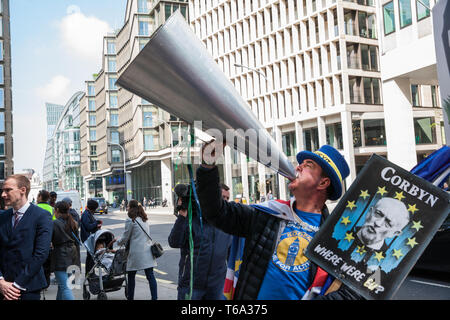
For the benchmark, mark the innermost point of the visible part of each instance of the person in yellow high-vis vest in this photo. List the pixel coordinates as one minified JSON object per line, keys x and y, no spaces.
{"x":42,"y":202}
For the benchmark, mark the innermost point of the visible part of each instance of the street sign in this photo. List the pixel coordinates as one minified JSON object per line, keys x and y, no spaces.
{"x":379,"y":229}
{"x":441,"y":28}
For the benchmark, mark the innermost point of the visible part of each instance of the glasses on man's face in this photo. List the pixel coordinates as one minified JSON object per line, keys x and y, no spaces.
{"x":8,"y":190}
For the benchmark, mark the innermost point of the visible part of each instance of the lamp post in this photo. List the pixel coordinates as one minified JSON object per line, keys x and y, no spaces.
{"x":124,"y":168}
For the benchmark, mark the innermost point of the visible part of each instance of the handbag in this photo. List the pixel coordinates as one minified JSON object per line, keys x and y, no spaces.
{"x":156,"y":248}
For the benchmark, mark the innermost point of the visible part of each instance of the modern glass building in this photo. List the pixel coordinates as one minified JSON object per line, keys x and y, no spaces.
{"x":63,"y":157}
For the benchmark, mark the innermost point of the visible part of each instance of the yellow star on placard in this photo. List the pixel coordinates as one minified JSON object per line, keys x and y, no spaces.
{"x":417,"y":225}
{"x":351,"y":205}
{"x":382,"y":191}
{"x":412,"y":209}
{"x":361,"y":250}
{"x":379,"y":256}
{"x":397,"y":253}
{"x":349,"y":236}
{"x":399,"y":196}
{"x":345,"y":220}
{"x":364,"y":194}
{"x":411,"y":242}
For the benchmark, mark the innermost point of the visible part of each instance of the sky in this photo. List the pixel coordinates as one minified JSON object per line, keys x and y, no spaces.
{"x":56,"y":45}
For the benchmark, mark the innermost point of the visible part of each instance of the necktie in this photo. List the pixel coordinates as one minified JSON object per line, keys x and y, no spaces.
{"x":16,"y":219}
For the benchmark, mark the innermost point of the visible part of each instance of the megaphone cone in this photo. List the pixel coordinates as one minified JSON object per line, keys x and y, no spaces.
{"x":175,"y":72}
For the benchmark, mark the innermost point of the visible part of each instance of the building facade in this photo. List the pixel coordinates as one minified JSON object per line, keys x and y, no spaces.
{"x":311,"y":73}
{"x":50,"y":170}
{"x":62,"y":162}
{"x":125,"y":140}
{"x":6,"y":116}
{"x":410,"y":88}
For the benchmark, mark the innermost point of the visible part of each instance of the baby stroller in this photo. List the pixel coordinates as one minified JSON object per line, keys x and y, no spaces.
{"x":111,"y":267}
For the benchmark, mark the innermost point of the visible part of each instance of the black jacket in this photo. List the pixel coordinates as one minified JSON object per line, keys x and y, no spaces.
{"x":64,"y":251}
{"x":259,"y":229}
{"x":210,"y":253}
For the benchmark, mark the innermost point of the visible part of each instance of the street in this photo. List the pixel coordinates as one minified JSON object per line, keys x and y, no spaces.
{"x":417,"y":286}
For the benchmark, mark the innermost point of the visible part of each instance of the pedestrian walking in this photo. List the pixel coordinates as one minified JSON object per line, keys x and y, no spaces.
{"x":75,"y":217}
{"x":210,"y":250}
{"x":139,"y":256}
{"x":88,"y":226}
{"x":65,"y":252}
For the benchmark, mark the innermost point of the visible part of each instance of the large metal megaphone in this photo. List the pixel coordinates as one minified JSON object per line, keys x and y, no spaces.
{"x":175,"y":72}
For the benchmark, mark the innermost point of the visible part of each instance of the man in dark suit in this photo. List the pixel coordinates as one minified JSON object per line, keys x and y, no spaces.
{"x":25,"y":236}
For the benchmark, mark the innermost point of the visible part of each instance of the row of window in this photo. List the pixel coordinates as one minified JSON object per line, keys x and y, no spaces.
{"x":273,"y":16}
{"x":369,"y":132}
{"x":300,"y":35}
{"x":405,"y":13}
{"x":304,"y":98}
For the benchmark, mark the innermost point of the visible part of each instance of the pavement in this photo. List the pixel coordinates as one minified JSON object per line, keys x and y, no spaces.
{"x":166,"y":290}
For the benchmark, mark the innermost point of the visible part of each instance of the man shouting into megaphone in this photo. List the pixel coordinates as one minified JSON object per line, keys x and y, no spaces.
{"x":277,"y":232}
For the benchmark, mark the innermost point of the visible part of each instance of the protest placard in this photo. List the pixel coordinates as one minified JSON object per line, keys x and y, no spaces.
{"x":379,"y":229}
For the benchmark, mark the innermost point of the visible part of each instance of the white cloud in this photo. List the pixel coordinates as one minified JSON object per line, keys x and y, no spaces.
{"x":56,"y":90}
{"x":82,"y":35}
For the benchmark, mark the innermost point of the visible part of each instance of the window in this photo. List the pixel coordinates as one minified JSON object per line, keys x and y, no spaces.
{"x":356,"y":128}
{"x":349,"y":23}
{"x":115,"y":155}
{"x":142,"y":6}
{"x":288,"y":142}
{"x":113,"y":101}
{"x":364,"y":90}
{"x":1,"y":49}
{"x":424,"y":130}
{"x":167,"y":11}
{"x":93,"y":150}
{"x":148,"y":118}
{"x":91,"y":104}
{"x":115,"y":137}
{"x":434,"y":99}
{"x":92,"y":135}
{"x":404,"y":7}
{"x":112,"y":83}
{"x":94,"y":165}
{"x":2,"y":98}
{"x":374,"y":133}
{"x":334,"y":135}
{"x":91,"y":90}
{"x":415,"y":98}
{"x":112,"y":65}
{"x":114,"y":119}
{"x":111,"y":47}
{"x":2,"y":170}
{"x":2,"y":145}
{"x":311,"y":139}
{"x":2,"y":122}
{"x":422,"y":12}
{"x":2,"y":78}
{"x":389,"y":18}
{"x":92,"y":120}
{"x":148,"y":142}
{"x":143,"y":28}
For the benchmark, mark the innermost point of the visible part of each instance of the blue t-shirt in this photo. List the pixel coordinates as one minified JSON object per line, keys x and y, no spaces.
{"x":287,"y":276}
